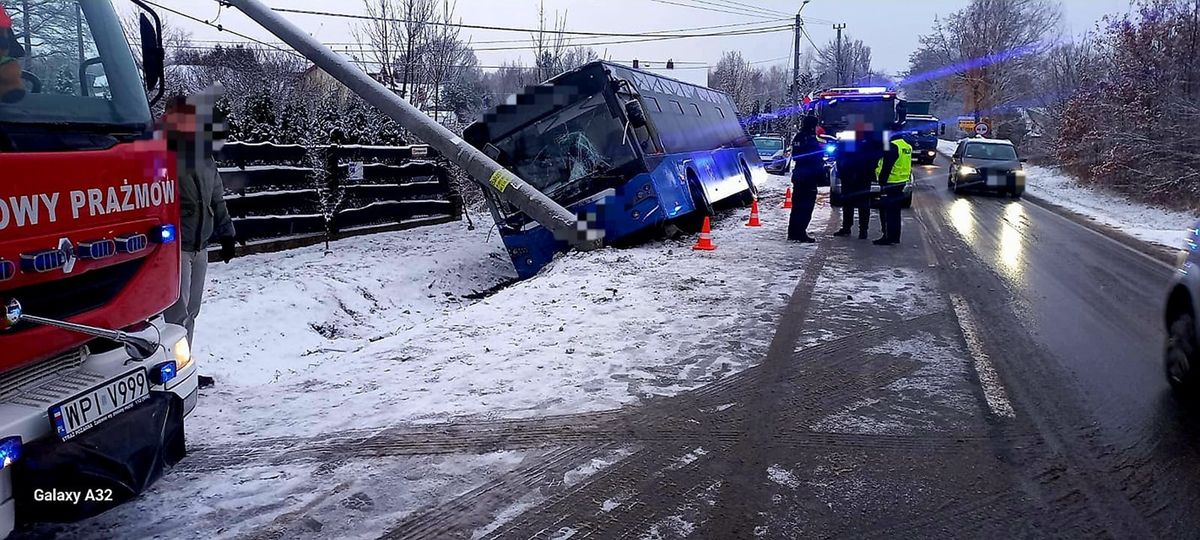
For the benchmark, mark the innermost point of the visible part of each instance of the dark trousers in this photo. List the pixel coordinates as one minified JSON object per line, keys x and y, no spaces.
{"x":862,"y":203}
{"x":804,"y":199}
{"x":890,"y":202}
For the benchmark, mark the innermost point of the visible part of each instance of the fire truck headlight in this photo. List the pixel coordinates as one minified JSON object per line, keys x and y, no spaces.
{"x":183,"y":354}
{"x":10,"y":451}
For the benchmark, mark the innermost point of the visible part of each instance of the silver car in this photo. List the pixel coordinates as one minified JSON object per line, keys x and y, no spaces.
{"x":1180,"y":318}
{"x":987,"y":164}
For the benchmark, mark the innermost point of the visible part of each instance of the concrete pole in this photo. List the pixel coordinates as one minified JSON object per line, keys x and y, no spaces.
{"x":504,"y":184}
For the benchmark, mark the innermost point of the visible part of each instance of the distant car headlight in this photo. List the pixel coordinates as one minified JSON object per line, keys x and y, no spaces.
{"x":183,"y":354}
{"x":967,"y":170}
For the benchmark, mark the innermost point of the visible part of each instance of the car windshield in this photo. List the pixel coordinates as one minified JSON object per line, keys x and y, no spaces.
{"x":999,"y":152}
{"x":768,"y":145}
{"x":568,"y":145}
{"x":76,"y":66}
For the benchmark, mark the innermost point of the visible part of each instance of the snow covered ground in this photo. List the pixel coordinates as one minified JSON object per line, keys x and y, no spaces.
{"x":1145,"y":222}
{"x":381,"y":332}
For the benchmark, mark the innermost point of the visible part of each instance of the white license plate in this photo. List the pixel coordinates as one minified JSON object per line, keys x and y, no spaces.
{"x":86,"y":410}
{"x":996,"y":180}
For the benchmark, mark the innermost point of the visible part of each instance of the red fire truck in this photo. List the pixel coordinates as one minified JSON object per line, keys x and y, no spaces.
{"x":94,"y":385}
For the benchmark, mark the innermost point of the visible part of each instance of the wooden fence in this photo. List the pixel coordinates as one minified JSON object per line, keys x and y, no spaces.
{"x":278,"y":200}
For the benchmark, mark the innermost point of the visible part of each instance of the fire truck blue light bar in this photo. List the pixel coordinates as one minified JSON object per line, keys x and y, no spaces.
{"x":96,"y":249}
{"x":131,"y":244}
{"x":44,"y":261}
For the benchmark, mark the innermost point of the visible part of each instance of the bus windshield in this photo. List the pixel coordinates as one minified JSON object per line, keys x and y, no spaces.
{"x":857,"y":114}
{"x":568,"y":145}
{"x":75,"y":63}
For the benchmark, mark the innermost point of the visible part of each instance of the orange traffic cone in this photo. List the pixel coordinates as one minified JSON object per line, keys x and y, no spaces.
{"x":754,"y":222}
{"x":705,"y":242}
{"x":787,"y":198}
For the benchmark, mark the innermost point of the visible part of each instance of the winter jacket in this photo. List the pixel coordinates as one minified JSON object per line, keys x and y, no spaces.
{"x":808,"y":154}
{"x":202,"y":209}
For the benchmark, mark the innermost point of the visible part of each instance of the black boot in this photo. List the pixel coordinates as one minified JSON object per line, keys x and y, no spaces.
{"x":808,"y":239}
{"x":884,"y":242}
{"x":205,"y":381}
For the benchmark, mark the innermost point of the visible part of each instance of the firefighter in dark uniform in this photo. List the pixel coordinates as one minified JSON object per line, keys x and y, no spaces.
{"x":808,"y":168}
{"x":856,"y":167}
{"x":893,"y":172}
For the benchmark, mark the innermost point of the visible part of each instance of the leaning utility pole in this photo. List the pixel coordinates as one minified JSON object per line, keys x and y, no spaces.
{"x":840,"y":62}
{"x":796,"y":73}
{"x":504,"y":184}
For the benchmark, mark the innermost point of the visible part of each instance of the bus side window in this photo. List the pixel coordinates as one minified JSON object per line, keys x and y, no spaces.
{"x":678,"y":106}
{"x":720,"y":112}
{"x":653,"y":103}
{"x":697,"y":107}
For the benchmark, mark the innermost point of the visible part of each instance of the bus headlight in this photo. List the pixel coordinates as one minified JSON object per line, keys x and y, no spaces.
{"x":183,"y":354}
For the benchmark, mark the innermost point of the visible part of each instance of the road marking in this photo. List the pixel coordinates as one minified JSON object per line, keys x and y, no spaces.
{"x":993,"y":389}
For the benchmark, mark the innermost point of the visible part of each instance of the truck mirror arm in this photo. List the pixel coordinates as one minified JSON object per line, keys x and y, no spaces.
{"x":138,"y":345}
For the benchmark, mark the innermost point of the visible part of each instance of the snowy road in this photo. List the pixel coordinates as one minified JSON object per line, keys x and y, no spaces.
{"x":997,"y":375}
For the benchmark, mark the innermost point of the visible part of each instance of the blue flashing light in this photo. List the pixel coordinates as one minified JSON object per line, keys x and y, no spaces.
{"x":831,"y":149}
{"x":131,"y":244}
{"x":7,"y":270}
{"x":163,"y":234}
{"x":10,"y":450}
{"x":163,"y":373}
{"x":44,"y":261}
{"x":96,"y":249}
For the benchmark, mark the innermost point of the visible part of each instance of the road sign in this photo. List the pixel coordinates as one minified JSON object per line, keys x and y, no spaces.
{"x":966,"y":124}
{"x":356,"y":170}
{"x":982,"y":129}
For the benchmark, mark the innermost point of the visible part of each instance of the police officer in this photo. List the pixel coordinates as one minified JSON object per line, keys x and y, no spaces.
{"x":893,"y":172}
{"x":808,"y":167}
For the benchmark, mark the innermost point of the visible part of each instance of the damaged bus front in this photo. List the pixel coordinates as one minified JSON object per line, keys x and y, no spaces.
{"x":631,"y":151}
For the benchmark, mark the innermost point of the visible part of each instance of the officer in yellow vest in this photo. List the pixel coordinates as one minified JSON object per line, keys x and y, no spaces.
{"x":893,"y":172}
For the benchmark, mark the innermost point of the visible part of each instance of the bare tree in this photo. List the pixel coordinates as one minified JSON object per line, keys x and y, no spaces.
{"x":845,"y":63}
{"x":549,"y":43}
{"x":419,"y":19}
{"x":993,"y":48}
{"x":378,"y":39}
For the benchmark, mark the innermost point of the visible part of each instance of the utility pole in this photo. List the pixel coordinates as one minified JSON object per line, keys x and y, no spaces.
{"x":840,"y":63}
{"x":796,"y":66}
{"x":796,"y":73}
{"x":494,"y":178}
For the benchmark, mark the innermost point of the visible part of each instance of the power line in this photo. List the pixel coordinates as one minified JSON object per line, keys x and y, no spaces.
{"x":747,"y":32}
{"x":736,"y":4}
{"x":737,"y":9}
{"x":223,"y":29}
{"x":474,"y":26}
{"x":714,"y":10}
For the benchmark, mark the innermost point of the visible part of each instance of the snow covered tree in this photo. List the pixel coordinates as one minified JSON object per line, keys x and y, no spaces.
{"x":65,"y":83}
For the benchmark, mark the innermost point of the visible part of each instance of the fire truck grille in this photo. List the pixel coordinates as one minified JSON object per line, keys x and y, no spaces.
{"x":13,"y":382}
{"x":70,"y":296}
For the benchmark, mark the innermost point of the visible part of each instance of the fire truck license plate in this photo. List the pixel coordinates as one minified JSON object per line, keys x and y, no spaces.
{"x":86,"y":410}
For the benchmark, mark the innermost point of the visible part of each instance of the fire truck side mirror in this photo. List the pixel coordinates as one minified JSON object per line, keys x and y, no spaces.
{"x":153,"y":55}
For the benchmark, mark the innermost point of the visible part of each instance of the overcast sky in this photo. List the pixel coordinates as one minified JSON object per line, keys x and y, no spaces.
{"x":890,"y":27}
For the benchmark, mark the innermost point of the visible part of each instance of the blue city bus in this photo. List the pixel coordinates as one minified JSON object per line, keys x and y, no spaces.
{"x":634,"y":152}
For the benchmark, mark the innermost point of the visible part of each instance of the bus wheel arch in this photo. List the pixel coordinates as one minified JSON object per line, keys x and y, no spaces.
{"x":699,"y":199}
{"x":749,"y":176}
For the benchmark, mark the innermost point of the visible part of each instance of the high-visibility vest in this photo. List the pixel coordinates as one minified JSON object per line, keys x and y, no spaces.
{"x":902,"y":170}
